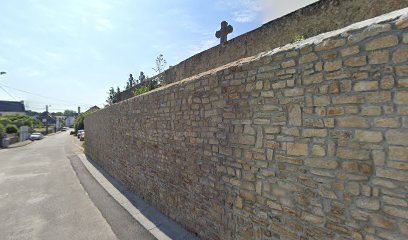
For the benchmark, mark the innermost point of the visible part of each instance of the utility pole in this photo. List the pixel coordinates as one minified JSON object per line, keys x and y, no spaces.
{"x":46,"y":119}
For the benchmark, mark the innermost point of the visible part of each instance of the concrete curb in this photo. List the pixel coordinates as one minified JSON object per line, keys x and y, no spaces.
{"x":20,"y":144}
{"x":151,"y":219}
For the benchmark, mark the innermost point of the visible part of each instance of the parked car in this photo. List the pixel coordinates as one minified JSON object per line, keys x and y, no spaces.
{"x":36,"y":136}
{"x":82,"y":137}
{"x":79,"y":133}
{"x":72,"y":132}
{"x":63,"y":129}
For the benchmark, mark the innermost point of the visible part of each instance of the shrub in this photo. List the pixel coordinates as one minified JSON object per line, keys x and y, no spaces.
{"x":11,"y":128}
{"x":20,"y":120}
{"x":2,"y":131}
{"x":145,"y":89}
{"x":298,"y":38}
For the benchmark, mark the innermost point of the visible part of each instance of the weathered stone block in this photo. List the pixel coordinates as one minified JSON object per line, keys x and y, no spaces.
{"x":399,"y":56}
{"x":297,"y":149}
{"x":382,"y":221}
{"x":288,"y":64}
{"x":405,"y":38}
{"x":260,"y":121}
{"x":378,"y":57}
{"x":378,"y":97}
{"x":387,"y":82}
{"x":267,"y":94}
{"x":368,"y":136}
{"x":371,"y":31}
{"x":392,"y":174}
{"x":356,"y":61}
{"x":347,"y":99}
{"x":401,"y":71}
{"x":352,"y":122}
{"x":242,"y":139}
{"x":333,"y":65}
{"x":352,"y":154}
{"x":402,"y":22}
{"x":403,"y":83}
{"x":350,"y":51}
{"x":365,"y":86}
{"x":371,"y":111}
{"x":321,"y":163}
{"x":382,"y":42}
{"x":312,"y":218}
{"x":401,"y":98}
{"x":318,"y":151}
{"x":397,"y":137}
{"x":353,"y":188}
{"x":308,"y":58}
{"x":314,"y":133}
{"x":313,"y":79}
{"x":294,"y":92}
{"x":295,"y":115}
{"x":395,"y":201}
{"x":396,"y":212}
{"x":387,"y":122}
{"x":368,"y":203}
{"x":398,"y":153}
{"x":330,"y":44}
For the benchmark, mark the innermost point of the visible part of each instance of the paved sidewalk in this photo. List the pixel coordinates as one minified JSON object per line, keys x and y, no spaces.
{"x":20,"y":144}
{"x":155,"y":222}
{"x":42,"y":198}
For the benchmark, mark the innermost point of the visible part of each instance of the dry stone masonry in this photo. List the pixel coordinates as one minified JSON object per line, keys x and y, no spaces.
{"x":319,"y":17}
{"x":308,"y":141}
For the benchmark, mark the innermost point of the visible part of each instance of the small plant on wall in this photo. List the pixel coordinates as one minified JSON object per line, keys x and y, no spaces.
{"x":298,"y":38}
{"x":144,"y":89}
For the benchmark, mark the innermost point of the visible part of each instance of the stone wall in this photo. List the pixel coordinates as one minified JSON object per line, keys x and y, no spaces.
{"x":320,"y":17}
{"x":309,"y":141}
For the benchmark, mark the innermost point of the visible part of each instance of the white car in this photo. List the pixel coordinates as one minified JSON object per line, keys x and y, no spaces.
{"x":79,"y":133}
{"x":82,"y":136}
{"x":36,"y":136}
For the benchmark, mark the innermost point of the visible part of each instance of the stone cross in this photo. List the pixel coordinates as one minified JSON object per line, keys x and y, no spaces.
{"x":223,"y":32}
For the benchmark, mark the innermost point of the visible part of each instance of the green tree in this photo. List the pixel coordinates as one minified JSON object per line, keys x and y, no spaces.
{"x":80,"y":121}
{"x":112,"y":97}
{"x":69,"y":113}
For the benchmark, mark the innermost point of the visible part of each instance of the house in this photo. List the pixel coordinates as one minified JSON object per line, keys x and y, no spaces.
{"x":47,"y":118}
{"x":12,"y":108}
{"x":60,"y":121}
{"x":93,"y":109}
{"x":69,"y":121}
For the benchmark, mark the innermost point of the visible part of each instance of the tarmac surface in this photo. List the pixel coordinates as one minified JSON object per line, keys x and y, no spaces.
{"x":47,"y":193}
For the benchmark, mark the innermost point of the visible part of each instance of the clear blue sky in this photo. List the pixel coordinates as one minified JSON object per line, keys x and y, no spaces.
{"x":70,"y":52}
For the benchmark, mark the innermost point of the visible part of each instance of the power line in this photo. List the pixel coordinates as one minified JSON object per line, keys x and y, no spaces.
{"x":8,"y":93}
{"x":30,"y":102}
{"x":35,"y":94}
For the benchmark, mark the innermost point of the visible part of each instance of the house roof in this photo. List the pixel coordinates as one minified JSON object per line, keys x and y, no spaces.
{"x":11,"y":106}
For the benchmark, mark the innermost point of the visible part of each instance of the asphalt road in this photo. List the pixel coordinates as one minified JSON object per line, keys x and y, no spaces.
{"x":41,"y":196}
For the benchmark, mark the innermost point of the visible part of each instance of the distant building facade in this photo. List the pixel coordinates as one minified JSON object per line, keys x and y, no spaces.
{"x":69,"y":121}
{"x":12,"y":108}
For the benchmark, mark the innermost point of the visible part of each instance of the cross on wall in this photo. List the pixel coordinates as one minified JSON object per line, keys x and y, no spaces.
{"x":224,"y":31}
